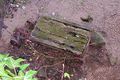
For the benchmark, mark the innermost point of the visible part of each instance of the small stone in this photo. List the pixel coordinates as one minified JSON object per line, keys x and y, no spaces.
{"x":11,"y":4}
{"x":30,"y":59}
{"x":77,"y":36}
{"x":87,"y":19}
{"x":97,"y":39}
{"x":23,"y":7}
{"x":53,"y":13}
{"x":113,"y":60}
{"x":17,"y":6}
{"x":42,"y":7}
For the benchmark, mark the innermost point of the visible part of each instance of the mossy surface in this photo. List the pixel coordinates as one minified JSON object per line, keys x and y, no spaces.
{"x":66,"y":36}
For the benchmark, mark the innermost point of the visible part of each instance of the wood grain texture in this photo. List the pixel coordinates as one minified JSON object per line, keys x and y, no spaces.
{"x":61,"y":34}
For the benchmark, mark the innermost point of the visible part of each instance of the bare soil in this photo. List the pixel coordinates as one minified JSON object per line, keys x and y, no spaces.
{"x":96,"y":62}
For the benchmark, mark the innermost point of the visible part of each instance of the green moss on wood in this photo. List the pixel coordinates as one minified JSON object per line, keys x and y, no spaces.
{"x":66,"y":36}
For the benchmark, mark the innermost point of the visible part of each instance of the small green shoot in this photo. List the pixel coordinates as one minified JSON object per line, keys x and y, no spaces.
{"x":66,"y":75}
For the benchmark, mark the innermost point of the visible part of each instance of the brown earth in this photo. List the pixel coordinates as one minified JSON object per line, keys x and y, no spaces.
{"x":105,"y":14}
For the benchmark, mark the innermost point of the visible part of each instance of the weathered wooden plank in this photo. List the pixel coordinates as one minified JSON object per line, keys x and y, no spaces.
{"x":61,"y":34}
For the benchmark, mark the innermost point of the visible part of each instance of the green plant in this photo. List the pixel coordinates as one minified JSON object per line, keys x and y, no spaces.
{"x":13,"y":69}
{"x":66,"y":75}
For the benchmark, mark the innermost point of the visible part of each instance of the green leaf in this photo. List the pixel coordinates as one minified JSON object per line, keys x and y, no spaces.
{"x":2,"y":71}
{"x":30,"y":73}
{"x":19,"y":60}
{"x":3,"y":56}
{"x":11,"y":63}
{"x":66,"y":75}
{"x":21,"y":73}
{"x":10,"y":73}
{"x":7,"y":78}
{"x":8,"y":65}
{"x":18,"y":78}
{"x":23,"y":67}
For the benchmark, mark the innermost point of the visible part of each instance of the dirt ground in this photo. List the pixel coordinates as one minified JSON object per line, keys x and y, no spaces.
{"x":105,"y":14}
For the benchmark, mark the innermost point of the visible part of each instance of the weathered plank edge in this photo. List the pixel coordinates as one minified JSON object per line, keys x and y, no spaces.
{"x":72,"y":24}
{"x":75,"y":25}
{"x":66,"y":22}
{"x":55,"y":46}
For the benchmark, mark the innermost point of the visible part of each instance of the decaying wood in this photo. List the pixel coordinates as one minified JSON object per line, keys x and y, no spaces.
{"x":62,"y":34}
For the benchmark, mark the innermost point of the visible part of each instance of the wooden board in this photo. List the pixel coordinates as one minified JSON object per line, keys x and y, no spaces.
{"x":61,"y":34}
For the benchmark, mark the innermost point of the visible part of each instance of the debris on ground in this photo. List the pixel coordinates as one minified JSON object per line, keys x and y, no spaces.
{"x":50,"y":62}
